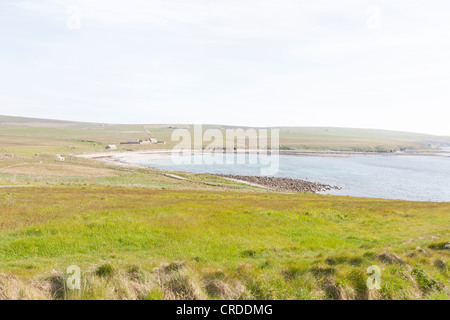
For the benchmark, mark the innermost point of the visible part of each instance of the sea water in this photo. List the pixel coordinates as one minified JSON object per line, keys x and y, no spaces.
{"x":417,"y":178}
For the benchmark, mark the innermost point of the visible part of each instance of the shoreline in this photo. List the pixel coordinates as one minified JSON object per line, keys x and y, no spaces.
{"x":115,"y":158}
{"x":113,"y":154}
{"x":281,"y":184}
{"x":278,"y":184}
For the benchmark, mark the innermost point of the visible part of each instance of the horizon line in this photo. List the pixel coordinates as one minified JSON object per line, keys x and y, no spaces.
{"x":227,"y":125}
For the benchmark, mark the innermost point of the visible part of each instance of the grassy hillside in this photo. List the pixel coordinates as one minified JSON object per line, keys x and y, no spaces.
{"x":25,"y":136}
{"x":147,"y":243}
{"x":44,"y":170}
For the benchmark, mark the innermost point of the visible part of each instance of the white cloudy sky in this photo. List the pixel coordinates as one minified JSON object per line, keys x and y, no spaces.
{"x":348,"y":63}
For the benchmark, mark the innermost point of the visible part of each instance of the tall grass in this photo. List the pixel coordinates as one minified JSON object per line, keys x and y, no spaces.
{"x":220,"y":244}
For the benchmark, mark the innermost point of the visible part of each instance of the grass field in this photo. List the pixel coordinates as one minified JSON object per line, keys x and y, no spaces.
{"x":26,"y":137}
{"x":137,"y":233}
{"x":148,"y":243}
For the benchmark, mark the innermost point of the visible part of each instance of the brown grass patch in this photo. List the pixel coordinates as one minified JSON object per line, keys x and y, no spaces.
{"x":59,"y":170}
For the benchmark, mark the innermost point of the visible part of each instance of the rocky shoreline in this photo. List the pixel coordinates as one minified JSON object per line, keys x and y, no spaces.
{"x":282,"y":184}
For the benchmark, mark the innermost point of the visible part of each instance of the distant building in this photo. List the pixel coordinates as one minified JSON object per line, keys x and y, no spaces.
{"x":111,"y":147}
{"x":140,"y":141}
{"x":132,"y":142}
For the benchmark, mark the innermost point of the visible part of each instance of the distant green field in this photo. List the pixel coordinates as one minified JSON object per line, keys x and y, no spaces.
{"x":25,"y":136}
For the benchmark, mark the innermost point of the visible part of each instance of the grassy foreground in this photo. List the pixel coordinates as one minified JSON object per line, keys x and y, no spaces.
{"x":142,"y":243}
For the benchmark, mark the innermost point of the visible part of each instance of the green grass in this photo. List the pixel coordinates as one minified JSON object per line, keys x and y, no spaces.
{"x":26,"y":137}
{"x":139,"y":234}
{"x":277,"y":246}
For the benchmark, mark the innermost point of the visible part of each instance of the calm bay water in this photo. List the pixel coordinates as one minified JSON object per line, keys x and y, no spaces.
{"x":421,"y":178}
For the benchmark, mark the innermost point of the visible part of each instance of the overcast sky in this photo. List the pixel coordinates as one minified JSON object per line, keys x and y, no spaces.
{"x":346,"y":63}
